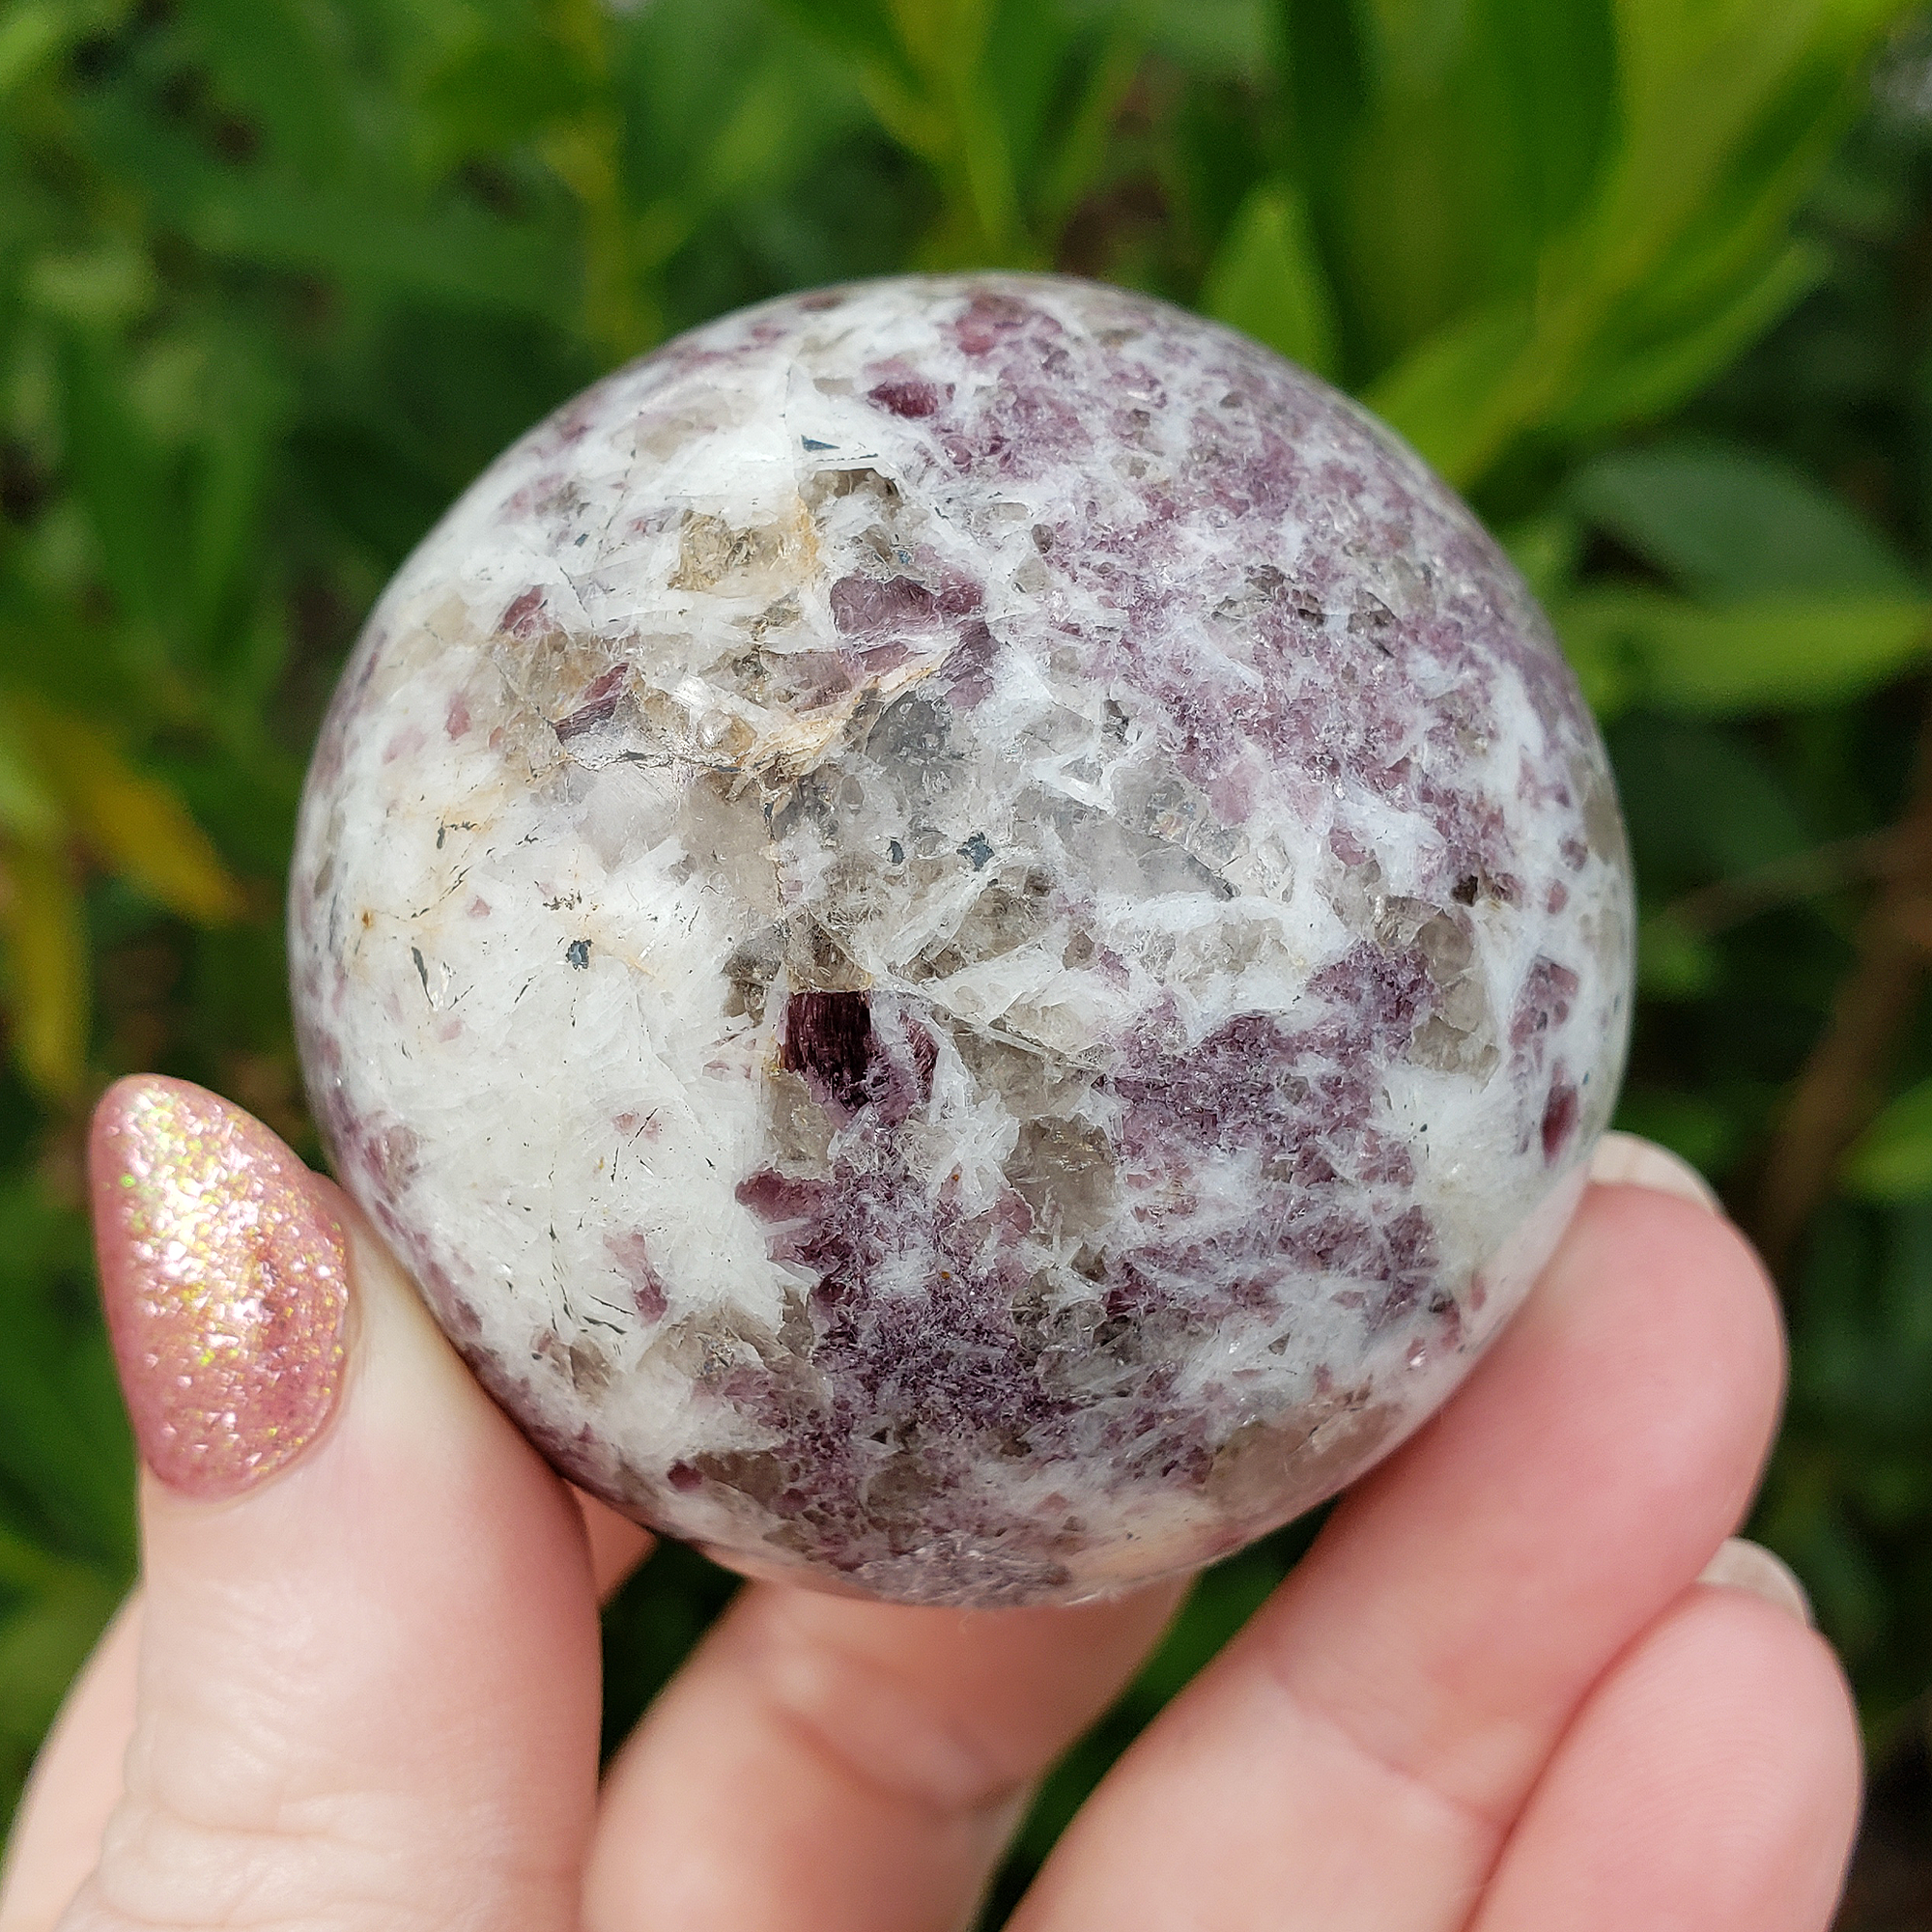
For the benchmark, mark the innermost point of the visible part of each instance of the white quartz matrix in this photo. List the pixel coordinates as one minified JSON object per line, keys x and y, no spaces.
{"x":970,"y":934}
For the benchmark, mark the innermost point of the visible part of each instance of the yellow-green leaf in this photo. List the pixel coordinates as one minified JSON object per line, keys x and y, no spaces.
{"x":28,"y":810}
{"x":1453,"y":396}
{"x":29,"y":37}
{"x":1268,"y":279}
{"x":46,"y":966}
{"x":136,"y":824}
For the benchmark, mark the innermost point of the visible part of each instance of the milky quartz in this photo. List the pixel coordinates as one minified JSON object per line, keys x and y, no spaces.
{"x":969,"y":933}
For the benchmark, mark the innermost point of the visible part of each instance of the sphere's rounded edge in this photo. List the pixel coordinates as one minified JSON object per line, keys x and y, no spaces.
{"x":679,"y":1345}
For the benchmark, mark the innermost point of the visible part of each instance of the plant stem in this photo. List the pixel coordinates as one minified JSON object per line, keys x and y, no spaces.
{"x":1804,"y":875}
{"x":1841,"y":1085}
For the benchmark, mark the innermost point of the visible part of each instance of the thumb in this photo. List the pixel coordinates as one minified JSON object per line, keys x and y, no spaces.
{"x":367,"y":1681}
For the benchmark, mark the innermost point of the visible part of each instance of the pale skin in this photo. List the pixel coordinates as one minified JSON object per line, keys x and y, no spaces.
{"x":1495,"y":1696}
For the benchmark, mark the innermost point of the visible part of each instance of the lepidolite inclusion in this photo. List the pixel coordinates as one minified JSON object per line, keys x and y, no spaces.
{"x":969,"y":933}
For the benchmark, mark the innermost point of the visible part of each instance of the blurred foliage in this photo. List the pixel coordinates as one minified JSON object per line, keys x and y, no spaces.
{"x":1652,"y":279}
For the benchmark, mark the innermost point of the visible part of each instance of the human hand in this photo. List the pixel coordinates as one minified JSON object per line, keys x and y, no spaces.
{"x":359,"y":1685}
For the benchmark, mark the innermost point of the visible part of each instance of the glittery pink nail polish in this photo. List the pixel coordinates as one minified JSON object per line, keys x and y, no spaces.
{"x":225,"y":1281}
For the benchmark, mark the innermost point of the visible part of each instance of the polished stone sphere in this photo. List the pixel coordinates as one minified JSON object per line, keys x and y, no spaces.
{"x":970,"y":934}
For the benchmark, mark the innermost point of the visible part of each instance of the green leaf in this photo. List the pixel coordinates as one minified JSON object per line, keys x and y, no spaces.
{"x":1483,"y":132}
{"x":1703,"y":802}
{"x":1268,"y":279}
{"x":1228,"y":39}
{"x":1642,"y":382}
{"x":1725,"y":521}
{"x":66,"y":1459}
{"x":228,"y":504}
{"x":1768,"y":656}
{"x":284,"y":65}
{"x":1719,"y":99}
{"x":1728,"y":108}
{"x":1546,"y":548}
{"x":949,"y":44}
{"x":1453,"y":396}
{"x":30,"y":35}
{"x":858,"y":29}
{"x":456,"y":256}
{"x":44,"y":1642}
{"x":1554,"y":107}
{"x":767,"y":136}
{"x":378,"y":245}
{"x":1073,"y":164}
{"x":721,"y":99}
{"x":1691,"y":1124}
{"x":864,"y":34}
{"x":1021,"y":70}
{"x":117,"y":470}
{"x":497,"y":91}
{"x":1892,"y":1161}
{"x":104,"y":286}
{"x":1326,"y":79}
{"x":1673,"y":964}
{"x":952,"y":81}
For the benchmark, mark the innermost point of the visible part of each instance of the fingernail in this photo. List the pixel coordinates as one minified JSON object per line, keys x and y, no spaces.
{"x":1625,"y":1160}
{"x":1741,"y":1565}
{"x":225,"y":1281}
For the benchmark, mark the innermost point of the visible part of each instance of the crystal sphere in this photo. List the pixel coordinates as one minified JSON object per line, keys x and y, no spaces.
{"x":969,"y":933}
